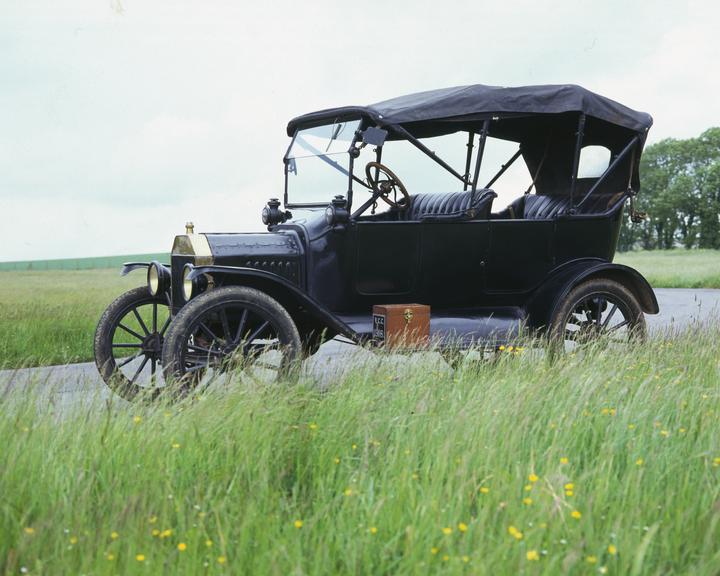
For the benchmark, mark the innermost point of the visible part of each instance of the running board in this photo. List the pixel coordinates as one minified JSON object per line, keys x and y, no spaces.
{"x":463,"y":328}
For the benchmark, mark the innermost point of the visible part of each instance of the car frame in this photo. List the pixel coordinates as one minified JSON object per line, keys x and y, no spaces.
{"x":543,"y":265}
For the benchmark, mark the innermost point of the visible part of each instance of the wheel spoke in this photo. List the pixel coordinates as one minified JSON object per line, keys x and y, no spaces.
{"x":129,"y":359}
{"x":153,"y":366}
{"x":618,"y":326}
{"x":225,"y":325}
{"x":241,"y":326}
{"x":609,"y":316}
{"x":154,"y":325}
{"x":131,"y":332}
{"x":140,"y":369}
{"x":599,"y":311}
{"x":213,"y":337}
{"x":257,"y":332}
{"x":140,"y":321}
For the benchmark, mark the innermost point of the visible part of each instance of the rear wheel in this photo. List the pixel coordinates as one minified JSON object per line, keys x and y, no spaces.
{"x":231,"y":328}
{"x":597,"y":310}
{"x":128,"y":343}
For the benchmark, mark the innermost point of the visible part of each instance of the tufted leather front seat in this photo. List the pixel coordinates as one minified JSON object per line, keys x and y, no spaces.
{"x":450,"y":206}
{"x":542,"y":207}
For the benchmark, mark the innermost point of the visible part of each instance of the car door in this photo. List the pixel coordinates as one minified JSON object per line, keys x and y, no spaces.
{"x":453,"y":266}
{"x":387,"y":261}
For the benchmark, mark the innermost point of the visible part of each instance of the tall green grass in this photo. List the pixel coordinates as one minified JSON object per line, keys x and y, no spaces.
{"x":598,"y":463}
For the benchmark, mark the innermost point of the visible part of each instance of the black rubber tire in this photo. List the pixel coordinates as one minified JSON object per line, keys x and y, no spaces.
{"x":185,"y":323}
{"x":601,"y":287}
{"x":104,"y":334}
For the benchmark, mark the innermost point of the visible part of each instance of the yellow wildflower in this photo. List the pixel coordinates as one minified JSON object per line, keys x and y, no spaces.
{"x":73,"y":540}
{"x":462,"y":527}
{"x":434,"y":550}
{"x":533,"y":555}
{"x":29,"y":530}
{"x":415,"y":476}
{"x":208,"y":543}
{"x":564,"y":460}
{"x":591,"y":559}
{"x":569,"y":493}
{"x":182,"y":546}
{"x":716,"y":462}
{"x":175,"y":445}
{"x":447,"y":530}
{"x":664,"y":433}
{"x":445,"y":557}
{"x":639,"y":462}
{"x":569,"y":486}
{"x":348,"y":492}
{"x":373,"y":530}
{"x":527,"y":501}
{"x":137,"y":419}
{"x":528,"y":487}
{"x":612,"y":550}
{"x":313,"y":426}
{"x":114,"y":535}
{"x":484,"y":490}
{"x":298,"y":523}
{"x":156,"y":532}
{"x":166,"y":533}
{"x":337,"y":460}
{"x":533,"y":478}
{"x":152,"y":519}
{"x":110,"y":556}
{"x":221,"y":559}
{"x":140,"y":557}
{"x":576,"y":514}
{"x":354,"y":446}
{"x":631,"y":426}
{"x":515,"y":533}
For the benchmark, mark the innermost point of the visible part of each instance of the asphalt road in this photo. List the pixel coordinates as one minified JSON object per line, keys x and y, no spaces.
{"x":80,"y":383}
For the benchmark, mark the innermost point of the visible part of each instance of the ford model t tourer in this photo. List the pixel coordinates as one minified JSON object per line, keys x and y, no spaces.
{"x":366,"y":231}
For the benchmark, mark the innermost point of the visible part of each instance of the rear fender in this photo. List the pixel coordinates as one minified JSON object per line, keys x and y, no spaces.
{"x":547,"y":298}
{"x":307,"y":312}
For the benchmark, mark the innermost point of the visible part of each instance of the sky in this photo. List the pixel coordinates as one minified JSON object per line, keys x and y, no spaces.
{"x":120,"y":120}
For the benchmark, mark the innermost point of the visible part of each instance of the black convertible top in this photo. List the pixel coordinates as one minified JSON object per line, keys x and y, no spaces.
{"x":476,"y":102}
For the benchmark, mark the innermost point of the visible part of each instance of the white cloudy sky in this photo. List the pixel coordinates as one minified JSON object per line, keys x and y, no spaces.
{"x":121,"y":119}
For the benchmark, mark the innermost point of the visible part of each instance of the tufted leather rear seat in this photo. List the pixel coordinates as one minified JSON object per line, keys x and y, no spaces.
{"x":540,"y":207}
{"x":450,"y":206}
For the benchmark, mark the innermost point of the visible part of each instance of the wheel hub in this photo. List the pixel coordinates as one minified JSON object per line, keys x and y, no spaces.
{"x":152,"y":345}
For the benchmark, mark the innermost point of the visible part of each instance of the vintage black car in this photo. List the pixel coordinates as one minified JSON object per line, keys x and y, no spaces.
{"x":360,"y":237}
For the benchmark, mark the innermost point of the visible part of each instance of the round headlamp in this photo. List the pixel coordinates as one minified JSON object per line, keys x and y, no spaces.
{"x":158,"y":279}
{"x":187,"y":284}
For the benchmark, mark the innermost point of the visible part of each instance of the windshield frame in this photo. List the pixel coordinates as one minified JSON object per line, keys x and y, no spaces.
{"x":332,"y":165}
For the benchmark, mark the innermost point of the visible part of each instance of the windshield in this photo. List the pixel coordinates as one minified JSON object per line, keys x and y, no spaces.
{"x":318,"y":162}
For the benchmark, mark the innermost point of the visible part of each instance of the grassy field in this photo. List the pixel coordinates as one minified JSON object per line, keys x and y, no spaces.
{"x":598,"y":464}
{"x":49,"y":317}
{"x":676,"y":268}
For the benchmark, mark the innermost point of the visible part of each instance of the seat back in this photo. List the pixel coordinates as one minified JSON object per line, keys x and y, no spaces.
{"x":450,"y":206}
{"x":539,"y":207}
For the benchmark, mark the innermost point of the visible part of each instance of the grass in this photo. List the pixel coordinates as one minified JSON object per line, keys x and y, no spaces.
{"x":676,"y":268}
{"x":49,"y":317}
{"x":600,"y":463}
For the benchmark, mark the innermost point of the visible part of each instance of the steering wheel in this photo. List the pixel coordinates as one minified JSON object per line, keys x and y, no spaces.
{"x":383,"y":187}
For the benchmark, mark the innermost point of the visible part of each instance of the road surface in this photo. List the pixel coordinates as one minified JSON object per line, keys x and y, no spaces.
{"x":80,"y":383}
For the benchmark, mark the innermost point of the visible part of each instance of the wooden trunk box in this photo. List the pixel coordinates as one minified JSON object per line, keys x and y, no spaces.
{"x":401,"y":325}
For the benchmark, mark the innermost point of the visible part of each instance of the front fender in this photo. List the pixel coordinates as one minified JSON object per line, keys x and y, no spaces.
{"x":546,"y":299}
{"x":288,"y":294}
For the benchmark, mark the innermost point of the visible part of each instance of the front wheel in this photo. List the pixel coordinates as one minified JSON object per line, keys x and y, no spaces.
{"x":231,"y":328}
{"x":128,"y":343}
{"x":597,"y":310}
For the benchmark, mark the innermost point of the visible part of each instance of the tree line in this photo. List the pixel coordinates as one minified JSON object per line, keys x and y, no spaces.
{"x":680,"y":193}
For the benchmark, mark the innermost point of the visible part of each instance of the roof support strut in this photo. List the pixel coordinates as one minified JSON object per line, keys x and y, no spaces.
{"x":420,"y":146}
{"x":576,"y":160}
{"x":481,"y":151}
